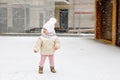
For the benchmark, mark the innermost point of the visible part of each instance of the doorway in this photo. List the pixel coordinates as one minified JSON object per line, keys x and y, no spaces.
{"x":64,"y":19}
{"x":118,"y":24}
{"x":106,"y":19}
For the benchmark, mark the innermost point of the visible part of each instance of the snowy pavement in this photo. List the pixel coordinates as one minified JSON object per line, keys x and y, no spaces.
{"x":78,"y":58}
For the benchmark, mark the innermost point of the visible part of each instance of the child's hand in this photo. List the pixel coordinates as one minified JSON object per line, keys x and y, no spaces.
{"x":35,"y":51}
{"x":55,"y":48}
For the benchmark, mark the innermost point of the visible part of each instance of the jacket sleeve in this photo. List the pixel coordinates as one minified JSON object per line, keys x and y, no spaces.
{"x":57,"y":43}
{"x":38,"y":45}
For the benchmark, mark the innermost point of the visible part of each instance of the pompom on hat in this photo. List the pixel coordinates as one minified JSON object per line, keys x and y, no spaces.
{"x":50,"y":25}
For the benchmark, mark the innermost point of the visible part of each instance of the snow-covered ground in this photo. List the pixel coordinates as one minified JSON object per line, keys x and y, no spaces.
{"x":78,"y":58}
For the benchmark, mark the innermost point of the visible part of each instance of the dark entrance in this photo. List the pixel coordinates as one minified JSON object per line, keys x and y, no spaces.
{"x":106,"y":19}
{"x":118,"y":24}
{"x":64,"y":19}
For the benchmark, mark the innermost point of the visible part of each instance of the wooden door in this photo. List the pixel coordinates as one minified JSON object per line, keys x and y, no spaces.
{"x":106,"y":19}
{"x":118,"y":24}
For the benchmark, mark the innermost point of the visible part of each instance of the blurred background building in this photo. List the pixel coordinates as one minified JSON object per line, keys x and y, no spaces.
{"x":21,"y":16}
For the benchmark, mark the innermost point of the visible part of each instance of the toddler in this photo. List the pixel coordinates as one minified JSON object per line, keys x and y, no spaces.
{"x":47,"y":44}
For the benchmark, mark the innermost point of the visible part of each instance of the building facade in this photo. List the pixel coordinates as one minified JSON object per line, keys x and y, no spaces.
{"x":75,"y":16}
{"x":21,"y":16}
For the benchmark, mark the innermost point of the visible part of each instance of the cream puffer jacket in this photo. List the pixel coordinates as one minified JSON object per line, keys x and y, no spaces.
{"x":46,"y":45}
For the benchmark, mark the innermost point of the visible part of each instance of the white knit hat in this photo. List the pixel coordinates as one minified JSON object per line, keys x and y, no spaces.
{"x":50,"y":25}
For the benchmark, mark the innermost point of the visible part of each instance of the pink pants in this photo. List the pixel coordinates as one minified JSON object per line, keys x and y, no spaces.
{"x":43,"y":58}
